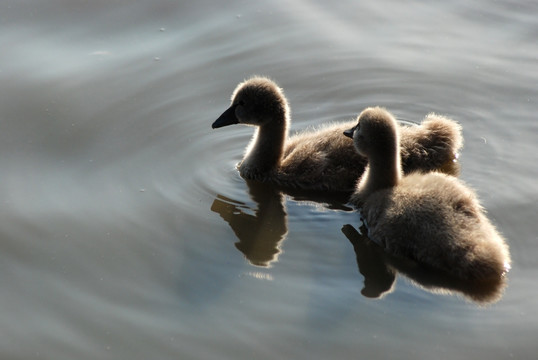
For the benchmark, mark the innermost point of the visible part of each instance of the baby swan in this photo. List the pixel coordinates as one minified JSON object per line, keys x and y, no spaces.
{"x":431,"y":218}
{"x":323,"y":159}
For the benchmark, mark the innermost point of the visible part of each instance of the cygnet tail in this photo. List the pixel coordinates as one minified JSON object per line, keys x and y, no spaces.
{"x":490,"y":259}
{"x":445,"y":134}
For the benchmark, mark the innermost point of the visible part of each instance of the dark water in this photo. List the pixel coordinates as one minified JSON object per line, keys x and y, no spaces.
{"x":126,"y":233}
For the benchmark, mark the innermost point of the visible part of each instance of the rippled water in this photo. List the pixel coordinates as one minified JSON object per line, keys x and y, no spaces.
{"x":126,"y":233}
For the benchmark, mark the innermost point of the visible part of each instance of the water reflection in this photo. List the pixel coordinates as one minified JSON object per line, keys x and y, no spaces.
{"x":380,"y":269}
{"x":260,"y":231}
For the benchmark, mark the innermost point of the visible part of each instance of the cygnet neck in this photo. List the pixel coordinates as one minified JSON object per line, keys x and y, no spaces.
{"x":266,"y":149}
{"x":384,"y":169}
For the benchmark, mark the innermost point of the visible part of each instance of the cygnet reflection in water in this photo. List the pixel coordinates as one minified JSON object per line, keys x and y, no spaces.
{"x":381,"y":269}
{"x":262,"y":230}
{"x":260,"y":233}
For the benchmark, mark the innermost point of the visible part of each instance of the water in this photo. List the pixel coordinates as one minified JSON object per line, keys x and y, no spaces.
{"x":126,"y":233}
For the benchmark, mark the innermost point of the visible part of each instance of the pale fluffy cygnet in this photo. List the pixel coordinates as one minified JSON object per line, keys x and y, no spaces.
{"x":432,"y":218}
{"x":322,"y":159}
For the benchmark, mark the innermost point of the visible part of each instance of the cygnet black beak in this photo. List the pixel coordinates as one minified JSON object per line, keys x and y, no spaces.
{"x":227,"y":118}
{"x":349,"y":132}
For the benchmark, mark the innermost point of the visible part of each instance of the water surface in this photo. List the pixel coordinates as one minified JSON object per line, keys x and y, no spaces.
{"x":126,"y":233}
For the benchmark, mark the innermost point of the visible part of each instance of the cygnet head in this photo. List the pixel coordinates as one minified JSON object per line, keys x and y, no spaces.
{"x":257,"y":101}
{"x":376,"y":134}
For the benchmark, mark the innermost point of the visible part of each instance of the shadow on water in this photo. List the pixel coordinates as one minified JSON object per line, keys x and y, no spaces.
{"x":380,"y":270}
